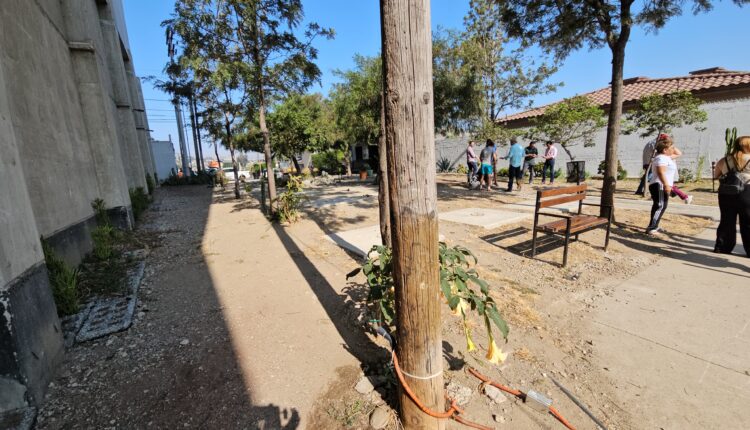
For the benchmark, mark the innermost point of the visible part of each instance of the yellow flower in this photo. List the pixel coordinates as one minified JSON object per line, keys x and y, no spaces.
{"x":495,"y":355}
{"x":469,"y":344}
{"x":460,"y":308}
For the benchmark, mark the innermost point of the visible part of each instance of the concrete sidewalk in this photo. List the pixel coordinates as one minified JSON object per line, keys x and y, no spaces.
{"x":675,"y":338}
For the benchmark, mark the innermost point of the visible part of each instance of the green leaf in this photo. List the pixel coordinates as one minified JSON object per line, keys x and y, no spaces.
{"x":494,"y":315}
{"x":445,"y":286}
{"x":454,"y":301}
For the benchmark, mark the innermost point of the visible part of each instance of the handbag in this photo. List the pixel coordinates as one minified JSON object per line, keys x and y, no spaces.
{"x":732,"y":183}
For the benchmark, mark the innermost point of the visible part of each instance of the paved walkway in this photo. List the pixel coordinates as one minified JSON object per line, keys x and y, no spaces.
{"x":676,"y":339}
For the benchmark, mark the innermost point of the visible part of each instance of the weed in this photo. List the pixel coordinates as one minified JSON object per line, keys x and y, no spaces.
{"x":686,"y":175}
{"x":139,"y":201}
{"x":699,"y":167}
{"x":349,"y":413}
{"x":63,"y":281}
{"x":103,"y":237}
{"x":289,"y":201}
{"x":100,"y":212}
{"x":444,"y":165}
{"x":150,"y":184}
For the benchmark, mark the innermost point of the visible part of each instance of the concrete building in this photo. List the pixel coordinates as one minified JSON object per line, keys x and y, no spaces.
{"x":72,"y":129}
{"x":726,"y":99}
{"x":164,"y":158}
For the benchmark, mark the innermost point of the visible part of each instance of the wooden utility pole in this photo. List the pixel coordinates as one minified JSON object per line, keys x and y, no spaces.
{"x":409,"y":126}
{"x":383,"y":199}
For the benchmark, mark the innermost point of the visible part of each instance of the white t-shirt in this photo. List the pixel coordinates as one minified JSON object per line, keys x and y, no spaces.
{"x":666,"y":161}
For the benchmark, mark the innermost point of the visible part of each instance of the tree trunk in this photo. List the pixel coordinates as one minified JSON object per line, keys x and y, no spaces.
{"x":296,"y":165}
{"x":198,"y":164}
{"x":613,"y":123}
{"x":567,"y":151}
{"x":267,"y":154}
{"x":198,"y":133}
{"x":409,"y":125}
{"x":234,"y":162}
{"x":383,"y":199}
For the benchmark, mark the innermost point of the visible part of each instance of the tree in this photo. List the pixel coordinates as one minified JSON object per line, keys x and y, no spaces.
{"x":569,"y":122}
{"x":298,"y":126}
{"x":563,"y":26}
{"x":409,"y":132}
{"x":279,"y":61}
{"x":660,"y":113}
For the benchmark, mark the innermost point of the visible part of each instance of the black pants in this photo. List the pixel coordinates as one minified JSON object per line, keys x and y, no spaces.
{"x":726,"y":234}
{"x":514,"y":173}
{"x":529,"y":166}
{"x":661,"y":199}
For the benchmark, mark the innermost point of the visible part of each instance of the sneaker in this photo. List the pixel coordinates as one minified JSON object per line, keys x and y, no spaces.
{"x":654,"y":232}
{"x":518,"y":188}
{"x":689,"y":200}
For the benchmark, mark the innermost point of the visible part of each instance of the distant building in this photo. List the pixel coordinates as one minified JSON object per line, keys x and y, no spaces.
{"x":164,"y":158}
{"x":726,"y":97}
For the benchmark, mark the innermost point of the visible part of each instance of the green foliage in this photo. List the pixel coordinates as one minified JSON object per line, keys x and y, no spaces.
{"x":699,"y":167}
{"x":460,"y":285}
{"x":686,"y":175}
{"x":569,"y":122}
{"x":462,"y":169}
{"x":331,"y":161}
{"x":150,"y":184}
{"x":299,"y":124}
{"x":100,"y":212}
{"x":660,"y":113}
{"x":139,"y":202}
{"x":356,"y":102}
{"x":502,"y":172}
{"x":63,"y":280}
{"x":103,"y":237}
{"x":730,"y":140}
{"x":289,"y":201}
{"x":621,"y":173}
{"x":444,"y":165}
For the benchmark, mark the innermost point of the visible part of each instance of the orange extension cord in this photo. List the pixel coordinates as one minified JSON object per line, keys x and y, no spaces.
{"x":454,"y":411}
{"x":520,"y":395}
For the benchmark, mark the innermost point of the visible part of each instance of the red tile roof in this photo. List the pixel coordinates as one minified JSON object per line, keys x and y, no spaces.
{"x":634,"y":88}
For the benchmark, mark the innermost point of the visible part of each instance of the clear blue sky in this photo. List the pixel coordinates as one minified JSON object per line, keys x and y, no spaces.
{"x":718,"y":38}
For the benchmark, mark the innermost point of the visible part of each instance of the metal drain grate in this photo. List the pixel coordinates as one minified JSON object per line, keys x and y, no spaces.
{"x":71,"y":325}
{"x":108,"y":316}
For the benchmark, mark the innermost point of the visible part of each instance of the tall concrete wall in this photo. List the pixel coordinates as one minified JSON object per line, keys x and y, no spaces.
{"x":69,"y":133}
{"x":694,"y":144}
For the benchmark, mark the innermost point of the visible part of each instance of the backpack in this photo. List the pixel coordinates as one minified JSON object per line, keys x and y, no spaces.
{"x":732,"y":183}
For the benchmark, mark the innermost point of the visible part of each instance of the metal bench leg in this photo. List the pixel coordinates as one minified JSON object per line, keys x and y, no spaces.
{"x":533,"y":245}
{"x":606,"y":238}
{"x":567,"y":241}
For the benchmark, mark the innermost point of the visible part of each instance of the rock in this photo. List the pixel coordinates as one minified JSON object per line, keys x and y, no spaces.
{"x":495,"y":394}
{"x":376,"y":398}
{"x":380,"y":417}
{"x":184,"y":342}
{"x":141,"y":314}
{"x":364,"y":386}
{"x":498,"y":418}
{"x":459,"y":393}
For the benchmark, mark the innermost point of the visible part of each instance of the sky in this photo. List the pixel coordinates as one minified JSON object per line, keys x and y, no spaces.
{"x":687,"y":43}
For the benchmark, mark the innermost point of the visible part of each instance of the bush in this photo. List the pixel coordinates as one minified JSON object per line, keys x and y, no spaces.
{"x":288,"y":202}
{"x":462,"y":169}
{"x":139,"y":201}
{"x":444,"y":165}
{"x":686,"y":175}
{"x":100,"y":212}
{"x":150,"y":184}
{"x":330,"y":161}
{"x":621,"y":173}
{"x":63,"y":281}
{"x":503,"y":171}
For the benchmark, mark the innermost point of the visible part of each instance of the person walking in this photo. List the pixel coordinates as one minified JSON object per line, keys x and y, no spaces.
{"x":494,"y":165}
{"x":530,"y":159}
{"x":731,"y":204}
{"x":661,"y":180}
{"x":471,"y":161}
{"x":515,"y":156}
{"x":550,"y":154}
{"x":488,"y":158}
{"x":648,"y":154}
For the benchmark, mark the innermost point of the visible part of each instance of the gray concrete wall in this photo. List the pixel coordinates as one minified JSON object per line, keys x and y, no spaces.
{"x":694,"y":144}
{"x":164,"y":157}
{"x":67,"y":136}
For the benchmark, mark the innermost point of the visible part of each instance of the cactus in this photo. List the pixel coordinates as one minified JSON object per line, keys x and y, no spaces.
{"x":730,"y":136}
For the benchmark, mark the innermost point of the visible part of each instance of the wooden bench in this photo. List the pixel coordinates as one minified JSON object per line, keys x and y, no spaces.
{"x":568,"y":224}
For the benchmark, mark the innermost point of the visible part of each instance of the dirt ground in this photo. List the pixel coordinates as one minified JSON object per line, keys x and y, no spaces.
{"x":245,"y":325}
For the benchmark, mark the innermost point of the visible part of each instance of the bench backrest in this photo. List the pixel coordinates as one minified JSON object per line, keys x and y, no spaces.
{"x":557,"y":196}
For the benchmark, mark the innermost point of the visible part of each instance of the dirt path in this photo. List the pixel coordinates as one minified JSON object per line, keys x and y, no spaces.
{"x":228,"y":335}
